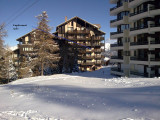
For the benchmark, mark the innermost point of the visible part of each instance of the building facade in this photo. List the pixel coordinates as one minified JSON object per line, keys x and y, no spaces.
{"x":81,"y":44}
{"x":138,"y":38}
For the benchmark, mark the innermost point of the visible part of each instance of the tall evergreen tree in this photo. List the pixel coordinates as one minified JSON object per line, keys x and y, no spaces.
{"x":45,"y":49}
{"x":9,"y":71}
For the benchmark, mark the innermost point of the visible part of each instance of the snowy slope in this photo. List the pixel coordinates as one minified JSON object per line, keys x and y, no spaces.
{"x":81,"y":96}
{"x":13,"y":48}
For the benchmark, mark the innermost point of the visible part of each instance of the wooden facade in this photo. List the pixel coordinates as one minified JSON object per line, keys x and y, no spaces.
{"x":81,"y":44}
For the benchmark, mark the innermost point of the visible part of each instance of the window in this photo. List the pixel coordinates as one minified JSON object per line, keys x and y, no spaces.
{"x":72,"y":23}
{"x":70,"y":28}
{"x":121,"y":14}
{"x":134,"y":53}
{"x":122,"y":27}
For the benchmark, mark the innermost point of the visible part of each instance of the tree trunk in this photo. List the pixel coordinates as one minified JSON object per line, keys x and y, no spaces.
{"x":42,"y":65}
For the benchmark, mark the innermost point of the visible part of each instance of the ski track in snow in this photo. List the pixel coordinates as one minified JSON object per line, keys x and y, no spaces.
{"x":81,"y":96}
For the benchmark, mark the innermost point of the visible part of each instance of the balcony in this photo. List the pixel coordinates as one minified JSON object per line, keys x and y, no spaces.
{"x":144,"y":45}
{"x":154,"y":27}
{"x":139,"y":45}
{"x":148,"y":12}
{"x":87,"y":63}
{"x":98,"y":62}
{"x":155,"y":44}
{"x":134,"y":3}
{"x":25,"y":48}
{"x":117,"y":71}
{"x":98,"y":38}
{"x":115,"y":10}
{"x":98,"y":56}
{"x":116,"y":59}
{"x":71,"y":38}
{"x":86,"y":51}
{"x":78,"y":38}
{"x":138,"y":60}
{"x":135,"y":74}
{"x":83,"y":38}
{"x":116,"y":22}
{"x":154,"y":61}
{"x":116,"y":46}
{"x":145,"y":29}
{"x":115,"y":35}
{"x":98,"y":50}
{"x":86,"y":57}
{"x":78,"y":31}
{"x":139,"y":30}
{"x":139,"y":12}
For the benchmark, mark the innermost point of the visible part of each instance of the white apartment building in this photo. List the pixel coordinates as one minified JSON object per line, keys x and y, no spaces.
{"x":138,"y":38}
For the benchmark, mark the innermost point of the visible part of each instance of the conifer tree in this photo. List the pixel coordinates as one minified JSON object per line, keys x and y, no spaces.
{"x":45,"y":49}
{"x":9,"y":71}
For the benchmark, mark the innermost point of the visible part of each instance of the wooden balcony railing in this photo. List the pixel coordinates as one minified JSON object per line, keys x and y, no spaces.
{"x":88,"y":63}
{"x":78,"y":31}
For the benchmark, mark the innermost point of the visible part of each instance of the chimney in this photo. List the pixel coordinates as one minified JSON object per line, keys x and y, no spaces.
{"x":65,"y":18}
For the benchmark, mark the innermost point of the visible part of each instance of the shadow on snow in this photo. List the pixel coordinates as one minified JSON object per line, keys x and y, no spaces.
{"x":93,"y":98}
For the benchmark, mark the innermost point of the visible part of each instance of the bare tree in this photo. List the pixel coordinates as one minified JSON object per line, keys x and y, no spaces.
{"x":24,"y":68}
{"x":45,"y":49}
{"x":3,"y":33}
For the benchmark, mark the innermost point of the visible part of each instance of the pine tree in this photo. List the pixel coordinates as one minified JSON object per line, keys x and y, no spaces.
{"x":9,"y":71}
{"x":45,"y":49}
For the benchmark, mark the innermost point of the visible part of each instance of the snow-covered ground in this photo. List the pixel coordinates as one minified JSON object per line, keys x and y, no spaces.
{"x":81,"y":96}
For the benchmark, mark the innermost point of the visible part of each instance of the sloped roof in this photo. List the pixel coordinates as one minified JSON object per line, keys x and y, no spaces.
{"x":24,"y":35}
{"x":82,"y":20}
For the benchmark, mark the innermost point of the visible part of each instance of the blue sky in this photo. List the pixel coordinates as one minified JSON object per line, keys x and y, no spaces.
{"x":93,"y":11}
